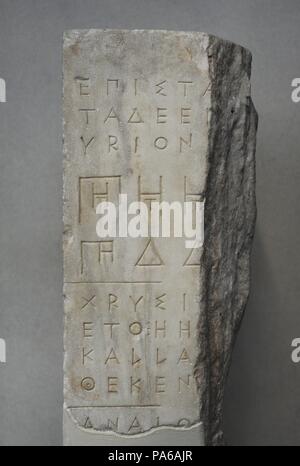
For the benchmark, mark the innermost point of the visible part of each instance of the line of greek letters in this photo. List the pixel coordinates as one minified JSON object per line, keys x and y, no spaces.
{"x":158,"y":328}
{"x":116,"y":303}
{"x":112,"y":144}
{"x":116,"y":86}
{"x":102,"y":252}
{"x":161,"y":114}
{"x":93,"y":190}
{"x":133,"y":423}
{"x":160,"y":384}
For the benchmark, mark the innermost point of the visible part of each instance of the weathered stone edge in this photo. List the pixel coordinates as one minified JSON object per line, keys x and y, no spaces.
{"x":72,"y":36}
{"x":230,"y":215}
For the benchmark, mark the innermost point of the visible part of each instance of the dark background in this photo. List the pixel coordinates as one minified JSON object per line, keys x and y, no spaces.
{"x":262,"y":405}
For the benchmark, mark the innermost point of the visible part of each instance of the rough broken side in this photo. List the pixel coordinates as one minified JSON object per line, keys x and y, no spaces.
{"x":149,"y":327}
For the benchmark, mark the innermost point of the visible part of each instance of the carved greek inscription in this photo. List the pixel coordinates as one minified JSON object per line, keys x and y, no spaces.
{"x":92,"y":191}
{"x":132,"y":305}
{"x":150,"y":256}
{"x":96,"y":253}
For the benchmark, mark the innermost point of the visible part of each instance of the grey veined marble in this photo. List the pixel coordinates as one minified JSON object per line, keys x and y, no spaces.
{"x":149,"y":324}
